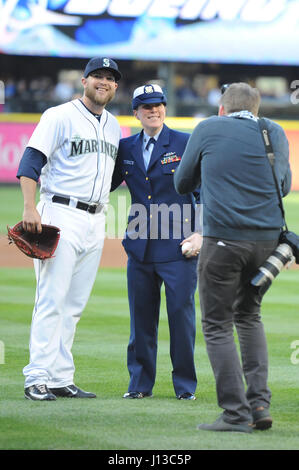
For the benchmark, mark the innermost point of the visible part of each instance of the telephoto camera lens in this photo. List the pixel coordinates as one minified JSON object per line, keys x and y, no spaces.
{"x":272,"y":267}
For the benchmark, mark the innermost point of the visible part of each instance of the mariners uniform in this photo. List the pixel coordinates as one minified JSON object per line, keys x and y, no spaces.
{"x":154,"y":259}
{"x":80,"y":150}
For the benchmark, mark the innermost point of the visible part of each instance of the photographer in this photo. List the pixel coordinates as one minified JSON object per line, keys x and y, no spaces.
{"x":242,"y":222}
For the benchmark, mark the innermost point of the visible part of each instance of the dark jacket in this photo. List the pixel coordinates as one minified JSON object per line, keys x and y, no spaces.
{"x":226,"y":156}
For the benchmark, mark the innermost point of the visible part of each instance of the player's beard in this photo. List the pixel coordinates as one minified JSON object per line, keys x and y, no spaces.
{"x":99,"y":99}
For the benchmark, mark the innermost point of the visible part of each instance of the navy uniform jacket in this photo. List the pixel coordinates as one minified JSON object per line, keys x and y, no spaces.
{"x":149,"y":237}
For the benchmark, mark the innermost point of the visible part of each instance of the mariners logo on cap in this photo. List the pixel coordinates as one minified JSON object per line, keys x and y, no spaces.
{"x":106,"y":63}
{"x":149,"y":89}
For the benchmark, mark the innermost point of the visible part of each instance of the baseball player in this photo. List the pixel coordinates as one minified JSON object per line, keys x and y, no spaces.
{"x":73,"y":151}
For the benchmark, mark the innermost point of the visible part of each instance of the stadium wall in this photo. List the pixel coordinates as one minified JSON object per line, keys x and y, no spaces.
{"x":16,"y":129}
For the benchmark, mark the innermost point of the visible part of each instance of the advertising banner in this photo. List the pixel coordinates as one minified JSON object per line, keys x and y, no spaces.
{"x":16,"y":129}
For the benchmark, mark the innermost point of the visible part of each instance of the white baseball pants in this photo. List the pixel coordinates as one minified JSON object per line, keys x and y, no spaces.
{"x":64,"y":284}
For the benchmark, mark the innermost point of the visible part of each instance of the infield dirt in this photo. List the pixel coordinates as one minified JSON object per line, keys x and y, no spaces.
{"x":113,"y":256}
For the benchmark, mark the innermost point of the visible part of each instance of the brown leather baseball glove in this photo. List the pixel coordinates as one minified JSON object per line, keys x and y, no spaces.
{"x":35,"y":245}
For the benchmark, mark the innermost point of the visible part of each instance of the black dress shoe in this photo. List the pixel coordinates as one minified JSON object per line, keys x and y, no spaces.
{"x":71,"y":391}
{"x":137,"y":395}
{"x":187,"y":396}
{"x":261,"y":418}
{"x":39,"y":392}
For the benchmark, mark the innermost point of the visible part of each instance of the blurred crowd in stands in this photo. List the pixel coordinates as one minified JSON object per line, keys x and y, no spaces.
{"x":191,"y":94}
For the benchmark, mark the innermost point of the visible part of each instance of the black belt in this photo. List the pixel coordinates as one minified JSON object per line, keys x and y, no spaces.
{"x":91,"y":208}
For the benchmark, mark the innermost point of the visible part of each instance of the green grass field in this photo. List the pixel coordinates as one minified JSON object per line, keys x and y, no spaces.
{"x":158,"y":423}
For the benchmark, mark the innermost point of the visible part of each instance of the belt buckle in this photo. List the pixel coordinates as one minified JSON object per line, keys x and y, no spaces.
{"x":99,"y":208}
{"x":92,"y":208}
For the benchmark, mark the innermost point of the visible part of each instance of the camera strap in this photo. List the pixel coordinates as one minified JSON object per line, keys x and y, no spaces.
{"x":271,"y":158}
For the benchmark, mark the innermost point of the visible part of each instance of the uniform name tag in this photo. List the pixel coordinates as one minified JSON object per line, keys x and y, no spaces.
{"x":129,"y":162}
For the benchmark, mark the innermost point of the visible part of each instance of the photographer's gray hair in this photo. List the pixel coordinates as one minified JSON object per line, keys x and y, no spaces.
{"x":2,"y":92}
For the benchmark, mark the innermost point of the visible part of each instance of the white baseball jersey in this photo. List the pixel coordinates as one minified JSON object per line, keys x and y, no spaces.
{"x":80,"y":151}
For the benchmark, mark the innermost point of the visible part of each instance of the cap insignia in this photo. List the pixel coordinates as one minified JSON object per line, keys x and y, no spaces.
{"x":149,"y":89}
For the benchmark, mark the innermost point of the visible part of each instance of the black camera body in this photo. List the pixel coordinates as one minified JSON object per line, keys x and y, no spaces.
{"x":286,"y":251}
{"x":291,"y":239}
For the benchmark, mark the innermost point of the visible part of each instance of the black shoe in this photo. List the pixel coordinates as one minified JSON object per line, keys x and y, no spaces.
{"x":39,"y":392}
{"x":261,"y":418}
{"x":221,"y":425}
{"x":186,"y":396}
{"x":137,"y":395}
{"x":71,"y":391}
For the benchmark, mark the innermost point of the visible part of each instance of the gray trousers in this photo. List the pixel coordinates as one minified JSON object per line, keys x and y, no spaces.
{"x":228,"y":300}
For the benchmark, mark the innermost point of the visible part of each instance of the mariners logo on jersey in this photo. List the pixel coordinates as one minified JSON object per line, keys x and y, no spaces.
{"x":80,"y":146}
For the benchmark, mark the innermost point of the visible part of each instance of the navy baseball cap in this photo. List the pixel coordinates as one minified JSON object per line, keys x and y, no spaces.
{"x":102,"y":63}
{"x":148,"y":94}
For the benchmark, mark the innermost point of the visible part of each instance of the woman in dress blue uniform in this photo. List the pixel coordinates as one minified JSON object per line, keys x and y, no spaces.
{"x":153,"y":242}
